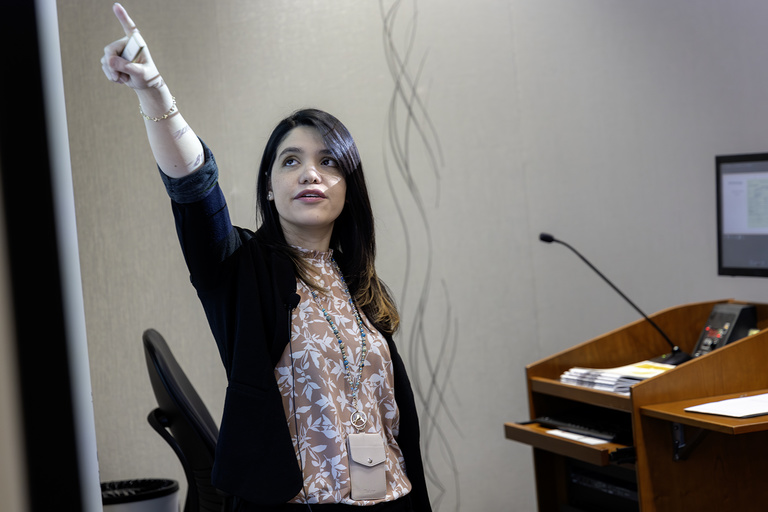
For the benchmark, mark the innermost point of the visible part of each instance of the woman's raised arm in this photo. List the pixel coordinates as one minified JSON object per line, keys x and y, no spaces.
{"x":175,"y":146}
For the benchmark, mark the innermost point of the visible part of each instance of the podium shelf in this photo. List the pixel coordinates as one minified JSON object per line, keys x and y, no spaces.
{"x":582,"y":394}
{"x":535,"y":435}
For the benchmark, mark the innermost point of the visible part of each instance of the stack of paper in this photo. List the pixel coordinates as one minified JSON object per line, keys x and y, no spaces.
{"x":616,"y":380}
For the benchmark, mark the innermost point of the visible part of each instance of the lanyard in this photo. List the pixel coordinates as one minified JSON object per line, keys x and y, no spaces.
{"x":358,"y":418}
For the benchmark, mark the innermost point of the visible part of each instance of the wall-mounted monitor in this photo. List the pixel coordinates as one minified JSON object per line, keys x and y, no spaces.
{"x":742,"y":214}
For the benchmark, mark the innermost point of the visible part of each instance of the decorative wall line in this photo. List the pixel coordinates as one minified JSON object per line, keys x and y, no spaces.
{"x":430,"y":329}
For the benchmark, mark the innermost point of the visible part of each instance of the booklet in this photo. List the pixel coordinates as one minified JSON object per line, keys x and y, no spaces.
{"x":616,"y":380}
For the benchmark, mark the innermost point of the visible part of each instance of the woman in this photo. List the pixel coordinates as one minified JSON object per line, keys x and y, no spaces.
{"x":319,"y":413}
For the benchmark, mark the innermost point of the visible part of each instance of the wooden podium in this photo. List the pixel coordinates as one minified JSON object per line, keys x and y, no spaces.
{"x":684,"y":461}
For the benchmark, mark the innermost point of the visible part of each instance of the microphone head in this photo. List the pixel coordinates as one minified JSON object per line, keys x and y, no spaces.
{"x":546,"y":237}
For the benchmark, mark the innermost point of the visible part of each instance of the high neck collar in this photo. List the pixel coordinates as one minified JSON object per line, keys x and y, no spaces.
{"x":315,"y":254}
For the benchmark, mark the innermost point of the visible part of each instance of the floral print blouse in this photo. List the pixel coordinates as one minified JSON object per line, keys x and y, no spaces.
{"x":316,"y":395}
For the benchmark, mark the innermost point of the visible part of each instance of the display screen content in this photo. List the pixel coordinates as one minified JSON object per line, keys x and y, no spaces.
{"x":742,"y":214}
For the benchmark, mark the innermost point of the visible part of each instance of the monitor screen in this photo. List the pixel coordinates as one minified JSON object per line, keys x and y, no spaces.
{"x":742,"y":215}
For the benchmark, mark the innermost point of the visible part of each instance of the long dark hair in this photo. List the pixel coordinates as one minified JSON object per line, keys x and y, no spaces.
{"x":353,"y":239}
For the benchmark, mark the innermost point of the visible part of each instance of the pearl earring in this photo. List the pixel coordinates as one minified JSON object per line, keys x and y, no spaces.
{"x":270,"y":196}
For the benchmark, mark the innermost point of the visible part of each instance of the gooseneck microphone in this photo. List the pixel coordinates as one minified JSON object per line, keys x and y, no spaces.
{"x":676,"y":356}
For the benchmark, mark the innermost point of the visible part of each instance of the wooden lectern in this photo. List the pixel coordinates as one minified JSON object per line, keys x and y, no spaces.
{"x":684,"y":461}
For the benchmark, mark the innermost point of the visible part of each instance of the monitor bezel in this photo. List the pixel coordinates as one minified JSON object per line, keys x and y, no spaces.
{"x":720,"y":161}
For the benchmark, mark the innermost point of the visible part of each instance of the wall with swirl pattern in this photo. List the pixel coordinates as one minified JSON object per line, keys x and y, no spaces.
{"x":480,"y":124}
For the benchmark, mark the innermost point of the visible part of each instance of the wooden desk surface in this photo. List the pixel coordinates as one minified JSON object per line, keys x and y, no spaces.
{"x":675,"y":412}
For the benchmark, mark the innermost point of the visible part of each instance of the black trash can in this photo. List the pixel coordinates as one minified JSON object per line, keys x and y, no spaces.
{"x":147,"y":495}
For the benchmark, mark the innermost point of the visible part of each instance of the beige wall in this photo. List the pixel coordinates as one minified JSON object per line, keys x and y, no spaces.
{"x":596,"y":120}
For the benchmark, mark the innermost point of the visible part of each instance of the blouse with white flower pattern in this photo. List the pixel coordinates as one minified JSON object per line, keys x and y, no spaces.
{"x":316,"y":395}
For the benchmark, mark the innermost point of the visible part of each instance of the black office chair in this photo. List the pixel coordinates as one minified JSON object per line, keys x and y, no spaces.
{"x":183,"y":420}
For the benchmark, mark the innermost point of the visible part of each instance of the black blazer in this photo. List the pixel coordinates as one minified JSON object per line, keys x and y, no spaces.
{"x":247,"y":291}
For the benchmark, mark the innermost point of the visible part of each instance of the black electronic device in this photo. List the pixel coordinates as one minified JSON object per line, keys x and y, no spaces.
{"x":599,"y":422}
{"x":742,"y":214}
{"x":726,"y":323}
{"x":597,"y":489}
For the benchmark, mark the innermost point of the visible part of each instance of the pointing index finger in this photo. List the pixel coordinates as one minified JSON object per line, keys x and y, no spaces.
{"x":122,"y":15}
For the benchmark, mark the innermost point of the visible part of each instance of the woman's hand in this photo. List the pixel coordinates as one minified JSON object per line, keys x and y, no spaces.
{"x":175,"y":146}
{"x":139,"y":74}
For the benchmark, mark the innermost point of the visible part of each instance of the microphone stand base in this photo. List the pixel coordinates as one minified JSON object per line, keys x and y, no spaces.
{"x":675,"y":358}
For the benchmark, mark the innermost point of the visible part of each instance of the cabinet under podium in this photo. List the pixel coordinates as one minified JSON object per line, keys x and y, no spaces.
{"x":671,"y":460}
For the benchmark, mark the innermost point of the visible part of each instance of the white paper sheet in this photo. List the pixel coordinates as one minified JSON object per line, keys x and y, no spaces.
{"x":577,"y":437}
{"x":743,"y":407}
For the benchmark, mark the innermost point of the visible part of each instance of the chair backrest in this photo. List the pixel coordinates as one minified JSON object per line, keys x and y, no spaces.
{"x":183,"y":420}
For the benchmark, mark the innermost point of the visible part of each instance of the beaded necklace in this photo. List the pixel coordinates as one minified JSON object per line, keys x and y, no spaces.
{"x":358,"y":418}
